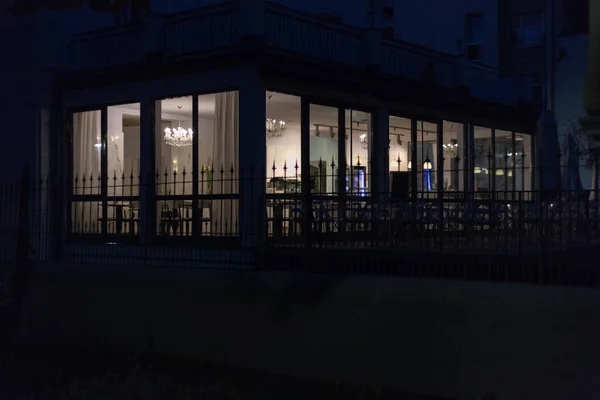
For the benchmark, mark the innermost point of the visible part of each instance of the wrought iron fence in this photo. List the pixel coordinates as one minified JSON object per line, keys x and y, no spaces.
{"x":188,"y":220}
{"x":332,"y":208}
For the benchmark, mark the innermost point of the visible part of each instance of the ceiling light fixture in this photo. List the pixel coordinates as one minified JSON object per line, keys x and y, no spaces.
{"x":179,"y":137}
{"x":275,"y":129}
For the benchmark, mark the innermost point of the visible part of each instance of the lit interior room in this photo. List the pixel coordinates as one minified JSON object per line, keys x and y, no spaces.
{"x":284,"y":147}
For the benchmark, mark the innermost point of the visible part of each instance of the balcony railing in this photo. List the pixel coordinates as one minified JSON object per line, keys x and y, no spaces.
{"x":219,"y":27}
{"x":208,"y":29}
{"x":303,"y":34}
{"x":416,"y":63}
{"x":107,"y":48}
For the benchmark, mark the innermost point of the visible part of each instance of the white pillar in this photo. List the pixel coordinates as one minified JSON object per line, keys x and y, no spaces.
{"x":252,"y":159}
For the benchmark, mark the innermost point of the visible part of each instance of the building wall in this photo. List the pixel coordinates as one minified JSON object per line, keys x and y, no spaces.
{"x":41,"y":50}
{"x":445,"y":29}
{"x":464,"y":340}
{"x":529,"y":60}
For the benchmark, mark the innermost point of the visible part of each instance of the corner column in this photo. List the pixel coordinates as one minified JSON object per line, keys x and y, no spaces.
{"x":148,"y":124}
{"x":379,"y":156}
{"x":252,"y":159}
{"x":251,"y":22}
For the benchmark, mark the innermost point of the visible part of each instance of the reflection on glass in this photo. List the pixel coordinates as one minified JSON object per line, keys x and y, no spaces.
{"x":358,"y":144}
{"x":323,"y":168}
{"x":284,"y":143}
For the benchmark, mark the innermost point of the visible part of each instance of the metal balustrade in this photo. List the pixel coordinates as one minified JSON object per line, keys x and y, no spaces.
{"x":301,"y":33}
{"x":417,"y":63}
{"x":506,"y":235}
{"x":287,"y":31}
{"x":212,"y":28}
{"x":107,"y":48}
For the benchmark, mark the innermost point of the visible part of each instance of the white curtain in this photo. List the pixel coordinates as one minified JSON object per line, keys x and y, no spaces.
{"x":86,"y":155}
{"x":86,"y":170}
{"x":224,"y":213}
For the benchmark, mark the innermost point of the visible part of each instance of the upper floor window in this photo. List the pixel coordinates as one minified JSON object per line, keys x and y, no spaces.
{"x":527,"y":29}
{"x":475,"y":37}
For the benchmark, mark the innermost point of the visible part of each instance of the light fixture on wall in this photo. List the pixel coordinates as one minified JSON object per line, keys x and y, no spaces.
{"x":179,"y":137}
{"x":275,"y":129}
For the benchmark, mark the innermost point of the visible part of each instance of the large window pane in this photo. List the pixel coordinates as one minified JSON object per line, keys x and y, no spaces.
{"x":399,"y":140}
{"x":86,"y":179}
{"x":483,"y":161}
{"x":123,"y":159}
{"x":123,"y":149}
{"x":112,"y":204}
{"x":523,"y":164}
{"x":424,"y":164}
{"x":87,"y":150}
{"x":218,"y":164}
{"x":323,"y":149}
{"x":504,"y":163}
{"x":452,"y":146}
{"x":358,"y":151}
{"x":173,"y":154}
{"x":283,"y":143}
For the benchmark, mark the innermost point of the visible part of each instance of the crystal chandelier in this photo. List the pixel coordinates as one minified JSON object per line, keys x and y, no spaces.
{"x":179,"y":137}
{"x":451,"y":149}
{"x":275,"y":129}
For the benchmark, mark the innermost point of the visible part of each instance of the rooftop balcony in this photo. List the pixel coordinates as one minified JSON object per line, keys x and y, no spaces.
{"x":219,"y":28}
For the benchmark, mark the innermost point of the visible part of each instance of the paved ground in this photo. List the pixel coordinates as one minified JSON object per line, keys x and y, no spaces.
{"x":56,"y":374}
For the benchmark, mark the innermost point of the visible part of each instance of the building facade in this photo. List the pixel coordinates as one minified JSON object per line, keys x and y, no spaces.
{"x":242,"y":118}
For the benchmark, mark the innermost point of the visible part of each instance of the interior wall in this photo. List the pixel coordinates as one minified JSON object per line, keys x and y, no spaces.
{"x":285,"y":151}
{"x":399,"y":151}
{"x":131,"y":151}
{"x":206,"y":128}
